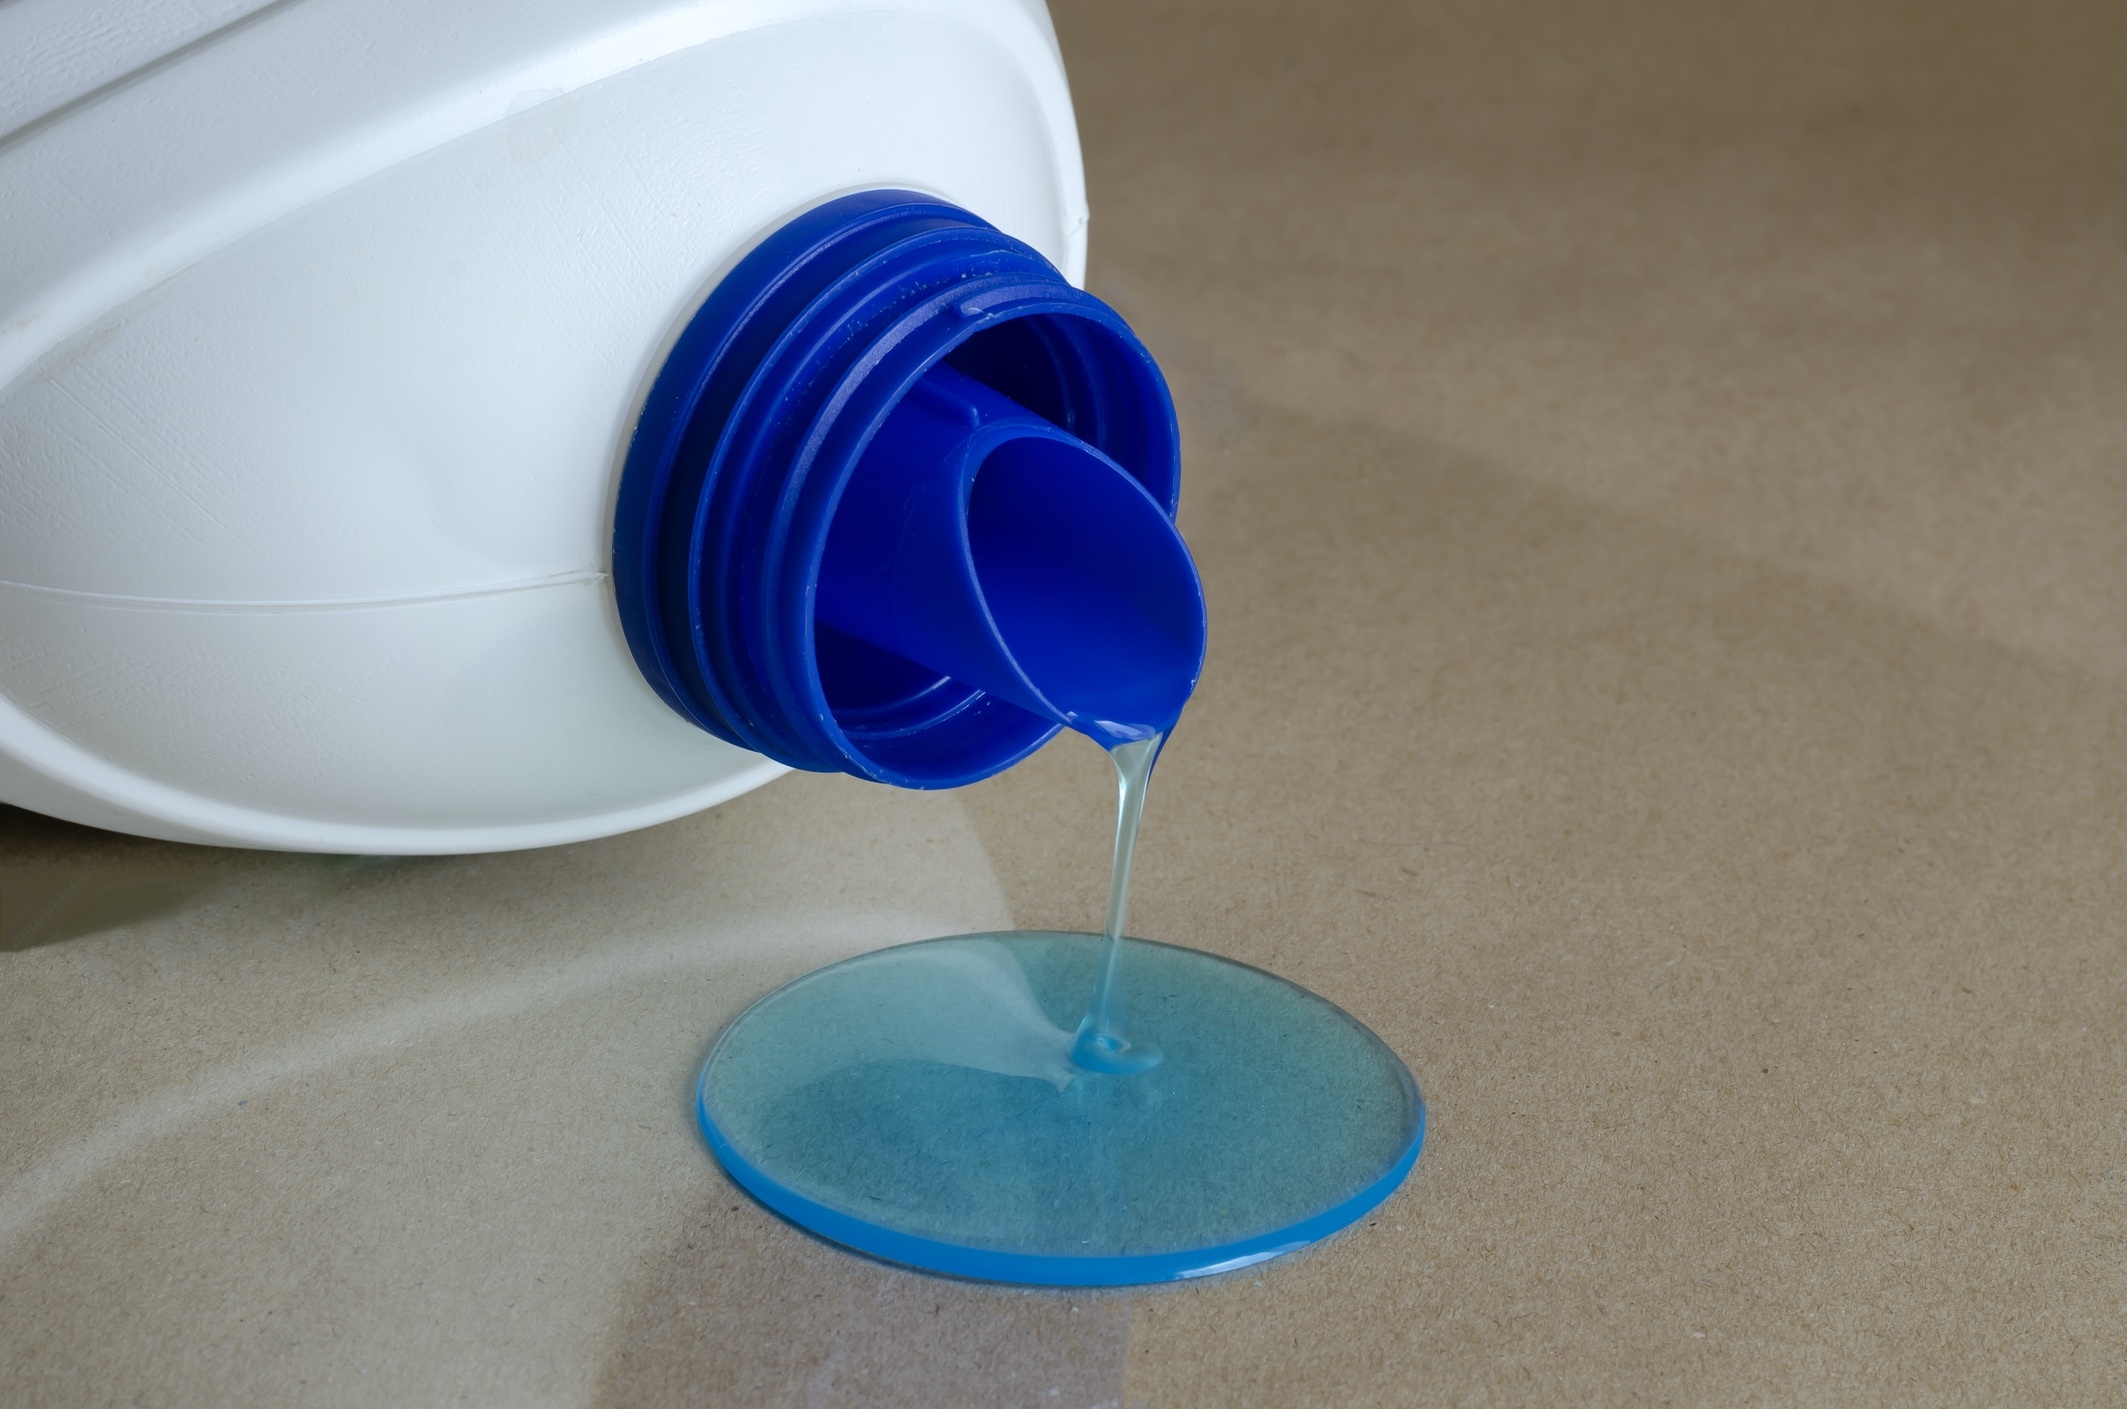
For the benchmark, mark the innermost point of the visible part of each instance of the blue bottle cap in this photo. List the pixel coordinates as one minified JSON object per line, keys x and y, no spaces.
{"x":900,"y":504}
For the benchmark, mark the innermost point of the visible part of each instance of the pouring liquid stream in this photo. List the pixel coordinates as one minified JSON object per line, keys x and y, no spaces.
{"x":1102,"y":1045}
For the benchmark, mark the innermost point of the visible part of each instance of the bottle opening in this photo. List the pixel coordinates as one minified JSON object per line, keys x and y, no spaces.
{"x":900,"y":504}
{"x":1091,"y":590}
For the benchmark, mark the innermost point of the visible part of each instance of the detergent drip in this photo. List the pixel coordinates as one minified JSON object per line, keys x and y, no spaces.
{"x":902,"y":506}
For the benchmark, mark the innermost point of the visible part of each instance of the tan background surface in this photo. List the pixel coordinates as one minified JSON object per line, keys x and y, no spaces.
{"x":1660,"y":471}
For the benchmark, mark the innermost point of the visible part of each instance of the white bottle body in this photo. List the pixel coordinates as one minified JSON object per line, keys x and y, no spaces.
{"x":321,"y":340}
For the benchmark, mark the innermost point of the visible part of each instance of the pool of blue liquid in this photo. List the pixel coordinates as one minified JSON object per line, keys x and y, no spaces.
{"x":920,"y":1104}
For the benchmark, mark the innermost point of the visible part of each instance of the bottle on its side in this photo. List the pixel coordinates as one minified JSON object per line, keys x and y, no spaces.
{"x":391,"y":456}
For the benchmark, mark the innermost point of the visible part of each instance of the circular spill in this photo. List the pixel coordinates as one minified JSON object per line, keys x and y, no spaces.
{"x":923,"y":1104}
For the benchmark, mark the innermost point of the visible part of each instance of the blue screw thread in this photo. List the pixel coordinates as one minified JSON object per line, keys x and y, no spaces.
{"x":762,"y":411}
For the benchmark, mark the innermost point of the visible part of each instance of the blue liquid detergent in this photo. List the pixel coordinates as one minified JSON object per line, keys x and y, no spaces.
{"x":900,"y":504}
{"x":1101,"y":1045}
{"x":997,"y":1106}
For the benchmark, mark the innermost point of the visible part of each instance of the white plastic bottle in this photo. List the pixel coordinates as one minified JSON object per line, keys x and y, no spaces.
{"x":324,"y":326}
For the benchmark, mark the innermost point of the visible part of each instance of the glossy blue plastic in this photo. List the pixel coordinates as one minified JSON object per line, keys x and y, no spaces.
{"x":980,"y":540}
{"x":773,"y":593}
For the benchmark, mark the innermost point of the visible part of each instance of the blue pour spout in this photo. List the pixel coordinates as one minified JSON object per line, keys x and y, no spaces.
{"x":982,"y":541}
{"x":900,"y":504}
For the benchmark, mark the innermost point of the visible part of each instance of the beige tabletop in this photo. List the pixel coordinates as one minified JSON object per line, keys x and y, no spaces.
{"x":1660,"y":474}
